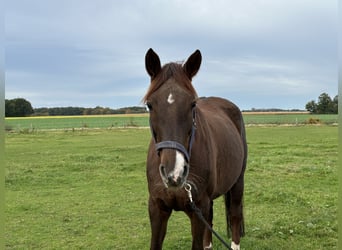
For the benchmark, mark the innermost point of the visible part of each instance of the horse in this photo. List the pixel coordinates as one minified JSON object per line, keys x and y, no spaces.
{"x":196,"y":143}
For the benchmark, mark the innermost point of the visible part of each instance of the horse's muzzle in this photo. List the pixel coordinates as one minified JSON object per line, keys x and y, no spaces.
{"x":175,"y":178}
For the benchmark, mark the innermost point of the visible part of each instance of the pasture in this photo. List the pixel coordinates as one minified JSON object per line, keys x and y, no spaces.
{"x":86,"y":189}
{"x":27,"y":124}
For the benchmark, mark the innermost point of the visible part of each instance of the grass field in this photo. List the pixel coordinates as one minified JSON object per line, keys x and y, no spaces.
{"x":86,"y":189}
{"x":141,"y":120}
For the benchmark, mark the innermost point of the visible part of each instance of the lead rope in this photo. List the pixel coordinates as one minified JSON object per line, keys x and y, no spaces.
{"x":187,"y":188}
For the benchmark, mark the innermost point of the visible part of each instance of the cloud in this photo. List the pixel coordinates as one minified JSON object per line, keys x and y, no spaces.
{"x":90,"y":50}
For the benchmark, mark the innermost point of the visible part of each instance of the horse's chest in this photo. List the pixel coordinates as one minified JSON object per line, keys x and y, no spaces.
{"x":174,"y":200}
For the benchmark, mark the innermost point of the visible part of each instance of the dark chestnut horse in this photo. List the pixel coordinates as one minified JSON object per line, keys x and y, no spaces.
{"x":195,"y":141}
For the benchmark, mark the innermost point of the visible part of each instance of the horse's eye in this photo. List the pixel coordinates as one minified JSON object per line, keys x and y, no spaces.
{"x":149,"y":106}
{"x":193,"y":104}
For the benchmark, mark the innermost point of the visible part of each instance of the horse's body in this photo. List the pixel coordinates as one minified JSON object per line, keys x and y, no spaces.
{"x":212,"y":130}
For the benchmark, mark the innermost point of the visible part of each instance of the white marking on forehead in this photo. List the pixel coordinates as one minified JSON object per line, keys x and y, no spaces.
{"x":170,"y":99}
{"x":179,"y":165}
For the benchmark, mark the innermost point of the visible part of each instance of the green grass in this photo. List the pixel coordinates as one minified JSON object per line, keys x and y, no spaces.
{"x":77,"y":122}
{"x":87,"y":190}
{"x":288,"y":118}
{"x":291,"y":188}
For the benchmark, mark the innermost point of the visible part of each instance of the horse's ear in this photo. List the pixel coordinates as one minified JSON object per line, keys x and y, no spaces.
{"x":152,"y":63}
{"x":192,"y":65}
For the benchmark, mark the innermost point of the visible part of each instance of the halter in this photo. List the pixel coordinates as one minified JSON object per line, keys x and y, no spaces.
{"x":176,"y":145}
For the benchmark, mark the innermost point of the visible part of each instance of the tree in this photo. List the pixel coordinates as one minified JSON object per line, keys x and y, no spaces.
{"x":325,"y":105}
{"x":311,"y":107}
{"x":9,"y":108}
{"x":335,"y":104}
{"x":18,"y":107}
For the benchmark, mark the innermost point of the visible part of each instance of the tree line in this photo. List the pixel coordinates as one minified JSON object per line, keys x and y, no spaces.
{"x":20,"y":107}
{"x":87,"y":111}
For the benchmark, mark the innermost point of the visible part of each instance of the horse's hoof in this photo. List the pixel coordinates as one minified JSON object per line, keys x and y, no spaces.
{"x":235,"y":246}
{"x":210,"y":247}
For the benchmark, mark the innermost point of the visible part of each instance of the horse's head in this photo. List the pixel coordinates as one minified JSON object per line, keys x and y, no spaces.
{"x":171,"y":100}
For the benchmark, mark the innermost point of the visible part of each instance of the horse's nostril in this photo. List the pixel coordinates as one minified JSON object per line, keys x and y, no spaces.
{"x":170,"y":178}
{"x":186,"y":171}
{"x":162,"y":170}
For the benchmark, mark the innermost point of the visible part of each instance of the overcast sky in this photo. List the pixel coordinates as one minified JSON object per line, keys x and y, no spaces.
{"x":257,"y":53}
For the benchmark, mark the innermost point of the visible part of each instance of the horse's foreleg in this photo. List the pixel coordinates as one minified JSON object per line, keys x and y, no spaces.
{"x":208,"y":235}
{"x":198,"y":228}
{"x":158,"y":220}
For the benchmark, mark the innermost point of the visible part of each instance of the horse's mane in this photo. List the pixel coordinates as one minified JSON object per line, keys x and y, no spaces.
{"x":170,"y":70}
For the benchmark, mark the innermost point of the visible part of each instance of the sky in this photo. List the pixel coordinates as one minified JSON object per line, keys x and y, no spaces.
{"x":256,"y":53}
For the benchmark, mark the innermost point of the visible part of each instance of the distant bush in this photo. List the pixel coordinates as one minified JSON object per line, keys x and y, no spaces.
{"x":313,"y":121}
